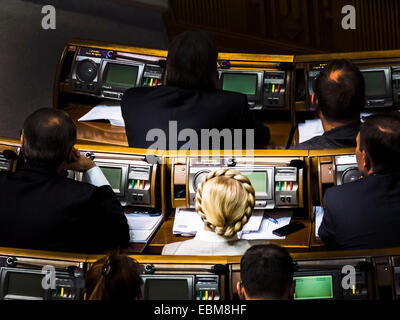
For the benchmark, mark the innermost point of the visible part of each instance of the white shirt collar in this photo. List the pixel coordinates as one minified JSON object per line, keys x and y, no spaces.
{"x":210,"y":236}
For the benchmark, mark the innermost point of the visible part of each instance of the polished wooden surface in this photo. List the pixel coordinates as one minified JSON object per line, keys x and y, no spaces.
{"x":298,"y":241}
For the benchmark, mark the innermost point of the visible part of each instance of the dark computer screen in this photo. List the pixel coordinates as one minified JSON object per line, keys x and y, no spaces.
{"x":240,"y":82}
{"x":314,"y":287}
{"x":166,"y":289}
{"x":120,"y":75}
{"x":24,"y":284}
{"x":375,"y":83}
{"x":113,"y":175}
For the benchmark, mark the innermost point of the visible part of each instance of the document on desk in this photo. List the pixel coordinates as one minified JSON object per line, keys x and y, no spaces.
{"x":269,"y":224}
{"x":319,"y":214}
{"x":105,"y":111}
{"x":310,"y":129}
{"x":142,"y":225}
{"x":188,"y":221}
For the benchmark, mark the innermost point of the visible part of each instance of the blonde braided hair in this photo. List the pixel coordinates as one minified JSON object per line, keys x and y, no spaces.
{"x":225,"y":201}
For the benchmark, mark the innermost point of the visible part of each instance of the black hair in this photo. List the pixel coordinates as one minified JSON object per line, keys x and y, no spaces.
{"x":192,"y":61}
{"x":266,"y":271}
{"x":380,"y":138}
{"x":343,"y":98}
{"x":115,"y":277}
{"x":48,"y":137}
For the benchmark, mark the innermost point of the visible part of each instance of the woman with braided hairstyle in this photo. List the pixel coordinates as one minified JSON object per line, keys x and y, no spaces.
{"x":225,"y":201}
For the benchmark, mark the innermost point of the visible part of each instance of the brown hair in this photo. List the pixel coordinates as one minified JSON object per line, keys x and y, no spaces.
{"x":114,"y":277}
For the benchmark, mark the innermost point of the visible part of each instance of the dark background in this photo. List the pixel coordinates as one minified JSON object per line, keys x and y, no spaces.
{"x":29,"y":54}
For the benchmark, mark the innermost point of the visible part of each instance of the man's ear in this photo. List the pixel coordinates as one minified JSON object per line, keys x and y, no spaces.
{"x":366,"y":160}
{"x":240,"y":290}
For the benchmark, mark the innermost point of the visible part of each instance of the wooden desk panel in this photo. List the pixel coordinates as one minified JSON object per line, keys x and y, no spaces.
{"x":295,"y":242}
{"x":96,"y":131}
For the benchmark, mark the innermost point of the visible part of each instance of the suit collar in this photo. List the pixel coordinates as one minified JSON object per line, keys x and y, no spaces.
{"x":26,"y":167}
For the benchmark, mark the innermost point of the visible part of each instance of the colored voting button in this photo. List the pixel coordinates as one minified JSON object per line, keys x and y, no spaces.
{"x":146,"y":82}
{"x":151,"y":82}
{"x":291,"y":185}
{"x":280,"y":185}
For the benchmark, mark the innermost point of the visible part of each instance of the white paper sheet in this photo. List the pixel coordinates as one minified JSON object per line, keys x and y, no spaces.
{"x":319,"y":214}
{"x":267,"y":226}
{"x":310,"y":129}
{"x":142,"y":226}
{"x":105,"y":111}
{"x":187,"y":221}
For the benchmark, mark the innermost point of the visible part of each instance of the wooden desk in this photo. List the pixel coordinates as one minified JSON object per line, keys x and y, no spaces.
{"x":280,"y":131}
{"x":295,"y":242}
{"x":316,"y":244}
{"x":96,"y":131}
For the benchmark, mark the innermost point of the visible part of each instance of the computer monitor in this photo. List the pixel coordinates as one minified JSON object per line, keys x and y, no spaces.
{"x":378,"y":87}
{"x":247,"y":82}
{"x":258,"y":180}
{"x":120,"y":77}
{"x":240,"y":82}
{"x":21,"y":285}
{"x":317,"y":285}
{"x":168,"y":287}
{"x":116,"y":175}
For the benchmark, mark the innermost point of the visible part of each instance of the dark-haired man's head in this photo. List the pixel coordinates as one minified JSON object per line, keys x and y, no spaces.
{"x":115,"y":277}
{"x":339,"y":94}
{"x":378,"y":144}
{"x":48,"y":137}
{"x":192,"y":61}
{"x":266,"y":273}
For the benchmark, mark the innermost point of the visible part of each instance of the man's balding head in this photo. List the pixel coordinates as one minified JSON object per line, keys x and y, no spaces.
{"x":48,"y":137}
{"x":340,"y":91}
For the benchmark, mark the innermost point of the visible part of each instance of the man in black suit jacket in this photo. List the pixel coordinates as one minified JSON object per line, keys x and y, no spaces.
{"x":156,"y":117}
{"x":365,"y":214}
{"x":339,"y":97}
{"x":43,"y":209}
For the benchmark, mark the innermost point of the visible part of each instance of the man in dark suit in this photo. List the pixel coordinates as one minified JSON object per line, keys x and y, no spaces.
{"x":339,"y":97}
{"x":43,"y":209}
{"x":365,"y":214}
{"x":180,"y":114}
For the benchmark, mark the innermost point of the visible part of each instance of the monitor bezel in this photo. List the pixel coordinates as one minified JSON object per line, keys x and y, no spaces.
{"x":336,"y":282}
{"x":189,"y":278}
{"x":124,"y":175}
{"x":257,"y":97}
{"x":4,"y":278}
{"x":104,"y":70}
{"x":388,"y":82}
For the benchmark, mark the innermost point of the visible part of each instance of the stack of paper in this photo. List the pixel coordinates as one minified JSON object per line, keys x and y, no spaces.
{"x":269,"y":224}
{"x":105,"y":111}
{"x":142,"y":225}
{"x":319,"y":214}
{"x":188,"y":222}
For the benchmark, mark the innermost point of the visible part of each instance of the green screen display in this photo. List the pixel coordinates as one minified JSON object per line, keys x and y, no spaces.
{"x":313,"y":287}
{"x":113,"y":176}
{"x":242,"y":83}
{"x":258,"y":181}
{"x":120,"y":75}
{"x":25,"y":284}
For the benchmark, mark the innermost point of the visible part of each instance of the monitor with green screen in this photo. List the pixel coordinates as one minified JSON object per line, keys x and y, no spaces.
{"x":258,"y":180}
{"x":240,"y":82}
{"x":121,"y":75}
{"x":313,"y":287}
{"x":113,"y":176}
